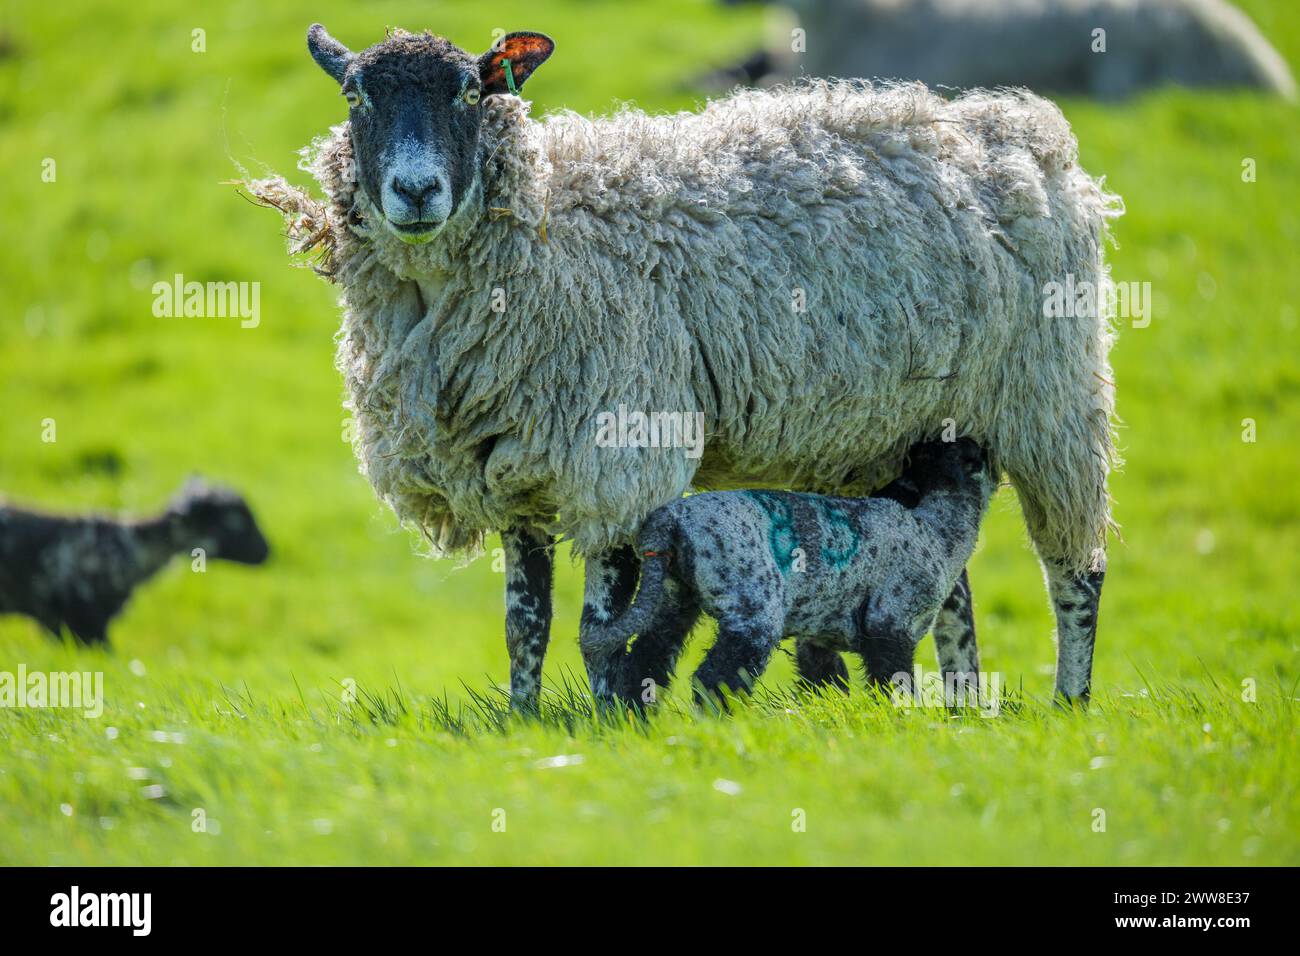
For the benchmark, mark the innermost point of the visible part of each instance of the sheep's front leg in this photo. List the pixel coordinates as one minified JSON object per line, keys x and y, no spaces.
{"x":87,"y":623}
{"x":650,"y":662}
{"x":528,"y":611}
{"x":611,"y":582}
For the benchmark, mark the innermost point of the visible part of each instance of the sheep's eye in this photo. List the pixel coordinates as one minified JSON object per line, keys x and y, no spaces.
{"x":471,"y":95}
{"x":353,"y":98}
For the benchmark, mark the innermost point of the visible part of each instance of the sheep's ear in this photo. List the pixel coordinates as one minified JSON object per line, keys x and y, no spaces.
{"x":520,"y":54}
{"x":195,"y":485}
{"x":183,"y":500}
{"x":330,"y":55}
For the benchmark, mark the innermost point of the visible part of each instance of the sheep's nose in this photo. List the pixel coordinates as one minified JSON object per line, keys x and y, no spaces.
{"x":417,"y":191}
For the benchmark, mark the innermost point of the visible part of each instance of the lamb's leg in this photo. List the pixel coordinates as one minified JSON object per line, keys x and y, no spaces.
{"x":888,"y":658}
{"x":820,"y":667}
{"x":611,"y":582}
{"x":93,"y":636}
{"x":528,"y":611}
{"x":1075,"y":598}
{"x":954,"y":640}
{"x":738,"y":657}
{"x":653,"y":656}
{"x":87,"y":623}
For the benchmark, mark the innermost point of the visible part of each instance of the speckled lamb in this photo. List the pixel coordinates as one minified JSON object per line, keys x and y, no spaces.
{"x":78,"y":572}
{"x":828,"y":273}
{"x":867,"y":575}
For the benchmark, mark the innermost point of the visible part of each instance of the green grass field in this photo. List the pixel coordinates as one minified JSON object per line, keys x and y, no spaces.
{"x":225,"y":691}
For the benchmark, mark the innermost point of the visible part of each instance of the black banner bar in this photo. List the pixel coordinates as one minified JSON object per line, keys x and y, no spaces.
{"x":335,"y":906}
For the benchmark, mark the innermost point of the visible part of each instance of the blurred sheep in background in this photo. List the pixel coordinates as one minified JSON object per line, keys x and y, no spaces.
{"x":76,"y":572}
{"x":1107,"y":49}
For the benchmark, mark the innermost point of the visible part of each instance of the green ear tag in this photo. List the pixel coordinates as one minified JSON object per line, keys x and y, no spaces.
{"x":510,"y":77}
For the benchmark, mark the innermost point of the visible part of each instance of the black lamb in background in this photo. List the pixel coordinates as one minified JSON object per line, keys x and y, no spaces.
{"x":79,"y":571}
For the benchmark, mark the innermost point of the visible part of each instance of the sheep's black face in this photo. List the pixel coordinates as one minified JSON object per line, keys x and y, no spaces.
{"x":415,"y":110}
{"x":954,"y":463}
{"x":219,"y":521}
{"x":415,"y":127}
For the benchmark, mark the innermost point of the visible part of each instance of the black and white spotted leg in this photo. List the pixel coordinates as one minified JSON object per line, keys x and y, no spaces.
{"x":820,"y":666}
{"x":737,"y":658}
{"x":1075,"y":598}
{"x":611,"y":582}
{"x":529,"y":571}
{"x":954,"y":640}
{"x":653,"y":657}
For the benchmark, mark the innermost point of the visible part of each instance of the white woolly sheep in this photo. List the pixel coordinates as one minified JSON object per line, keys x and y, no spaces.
{"x":829,"y":273}
{"x":1046,"y":45}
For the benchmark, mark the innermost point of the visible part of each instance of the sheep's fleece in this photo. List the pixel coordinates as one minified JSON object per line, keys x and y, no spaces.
{"x":827,"y":271}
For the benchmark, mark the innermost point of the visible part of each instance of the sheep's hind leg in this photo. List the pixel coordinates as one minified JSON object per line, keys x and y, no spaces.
{"x":611,"y":582}
{"x":1075,"y":599}
{"x":1066,"y":507}
{"x":888,"y":651}
{"x":954,"y":640}
{"x":529,"y":572}
{"x":820,"y":666}
{"x":737,"y":658}
{"x":888,"y":661}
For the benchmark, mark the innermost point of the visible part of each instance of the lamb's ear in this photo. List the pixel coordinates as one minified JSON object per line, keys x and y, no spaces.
{"x":183,"y":500}
{"x":512,"y":60}
{"x":330,"y":55}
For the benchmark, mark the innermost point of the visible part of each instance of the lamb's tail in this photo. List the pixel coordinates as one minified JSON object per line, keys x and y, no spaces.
{"x":613,"y":636}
